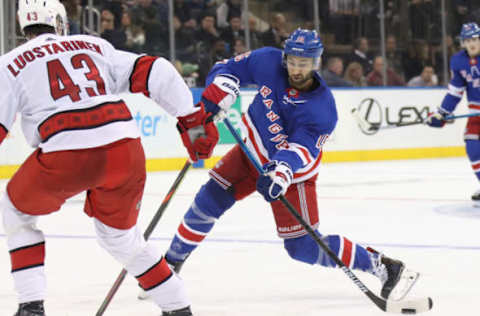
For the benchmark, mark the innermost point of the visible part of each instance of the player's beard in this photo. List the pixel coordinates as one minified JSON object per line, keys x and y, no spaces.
{"x":299,"y":81}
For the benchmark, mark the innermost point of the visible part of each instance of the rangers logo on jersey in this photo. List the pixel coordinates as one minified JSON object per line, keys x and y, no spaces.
{"x":293,"y":93}
{"x":291,"y":96}
{"x":275,"y":128}
{"x":281,"y":121}
{"x":268,"y":103}
{"x":265,"y":91}
{"x":300,"y":39}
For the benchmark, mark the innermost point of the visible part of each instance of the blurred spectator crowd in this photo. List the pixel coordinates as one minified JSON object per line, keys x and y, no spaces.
{"x":208,"y":31}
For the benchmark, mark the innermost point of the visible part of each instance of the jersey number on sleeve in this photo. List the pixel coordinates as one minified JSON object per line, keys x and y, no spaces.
{"x":61,"y":84}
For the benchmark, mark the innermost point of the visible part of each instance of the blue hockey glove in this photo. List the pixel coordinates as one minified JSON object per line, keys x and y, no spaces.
{"x":275,"y":181}
{"x":437,"y":119}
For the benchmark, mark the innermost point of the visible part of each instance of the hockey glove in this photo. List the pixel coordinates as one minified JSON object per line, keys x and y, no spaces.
{"x":437,"y":119}
{"x":275,"y":181}
{"x":220,"y":95}
{"x":199,"y":133}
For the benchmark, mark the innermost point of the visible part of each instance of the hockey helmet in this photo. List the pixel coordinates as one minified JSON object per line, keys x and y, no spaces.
{"x":62,"y":20}
{"x":304,"y":43}
{"x":469,"y":30}
{"x":43,"y":12}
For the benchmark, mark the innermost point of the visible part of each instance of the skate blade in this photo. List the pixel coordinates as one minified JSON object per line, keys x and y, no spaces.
{"x":404,"y":285}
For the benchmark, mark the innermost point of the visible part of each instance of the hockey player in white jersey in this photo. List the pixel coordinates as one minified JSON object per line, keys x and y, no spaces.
{"x":66,"y":91}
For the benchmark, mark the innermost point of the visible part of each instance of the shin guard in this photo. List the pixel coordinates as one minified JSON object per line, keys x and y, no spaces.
{"x":210,"y":203}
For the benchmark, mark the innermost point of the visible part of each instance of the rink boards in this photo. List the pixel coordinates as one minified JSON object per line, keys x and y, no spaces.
{"x":387,"y":107}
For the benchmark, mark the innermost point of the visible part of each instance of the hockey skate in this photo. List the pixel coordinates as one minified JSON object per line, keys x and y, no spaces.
{"x":396,"y":280}
{"x":34,"y":308}
{"x":476,"y":198}
{"x":179,"y":312}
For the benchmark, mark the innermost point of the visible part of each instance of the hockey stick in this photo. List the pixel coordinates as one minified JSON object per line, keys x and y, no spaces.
{"x":454,"y":117}
{"x":146,"y":235}
{"x":369,"y":128}
{"x":402,"y":307}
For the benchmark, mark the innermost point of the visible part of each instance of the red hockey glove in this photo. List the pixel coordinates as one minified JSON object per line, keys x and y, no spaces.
{"x":220,"y":95}
{"x":199,"y":133}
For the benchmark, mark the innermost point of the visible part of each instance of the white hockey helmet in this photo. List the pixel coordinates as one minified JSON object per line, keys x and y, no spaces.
{"x":44,"y":12}
{"x":62,"y":20}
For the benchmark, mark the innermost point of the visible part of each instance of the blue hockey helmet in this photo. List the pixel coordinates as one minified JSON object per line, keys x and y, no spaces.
{"x":304,"y":43}
{"x":469,"y":30}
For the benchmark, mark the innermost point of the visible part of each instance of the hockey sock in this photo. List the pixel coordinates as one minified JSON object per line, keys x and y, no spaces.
{"x":352,"y":255}
{"x":28,"y":271}
{"x":305,"y":249}
{"x":473,"y":152}
{"x":145,"y":263}
{"x":209,"y":204}
{"x":163,"y":286}
{"x":26,"y":245}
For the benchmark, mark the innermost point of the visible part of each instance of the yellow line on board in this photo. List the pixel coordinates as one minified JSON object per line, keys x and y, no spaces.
{"x":165,"y":164}
{"x":393,"y":154}
{"x":7,"y":171}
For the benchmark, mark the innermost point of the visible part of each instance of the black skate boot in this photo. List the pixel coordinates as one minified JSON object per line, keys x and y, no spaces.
{"x":179,"y":312}
{"x":396,"y":280}
{"x":394,"y":269}
{"x":34,"y":308}
{"x":476,"y":198}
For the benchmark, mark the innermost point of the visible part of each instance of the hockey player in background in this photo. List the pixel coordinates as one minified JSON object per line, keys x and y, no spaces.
{"x":285,"y":127}
{"x":66,"y":90}
{"x":465,"y":72}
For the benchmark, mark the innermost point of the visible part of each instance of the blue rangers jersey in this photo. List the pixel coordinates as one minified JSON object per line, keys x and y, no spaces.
{"x":465,"y":74}
{"x":282,"y":123}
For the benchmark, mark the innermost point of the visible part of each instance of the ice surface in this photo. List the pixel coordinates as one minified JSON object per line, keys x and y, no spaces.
{"x":418,"y":211}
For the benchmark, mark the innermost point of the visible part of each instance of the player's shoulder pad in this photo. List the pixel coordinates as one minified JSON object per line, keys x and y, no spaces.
{"x":93,"y":40}
{"x":267,"y":53}
{"x":8,"y":57}
{"x":460,"y":59}
{"x":321,"y":106}
{"x":324,"y":104}
{"x":323,"y":91}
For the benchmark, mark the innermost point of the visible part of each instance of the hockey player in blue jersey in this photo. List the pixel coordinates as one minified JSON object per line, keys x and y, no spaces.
{"x":285,"y":126}
{"x":465,"y":71}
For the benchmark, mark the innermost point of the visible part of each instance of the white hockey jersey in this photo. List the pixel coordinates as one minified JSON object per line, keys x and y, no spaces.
{"x":66,"y":89}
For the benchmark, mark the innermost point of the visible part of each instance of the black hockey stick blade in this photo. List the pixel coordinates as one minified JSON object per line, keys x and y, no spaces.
{"x":148,"y":232}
